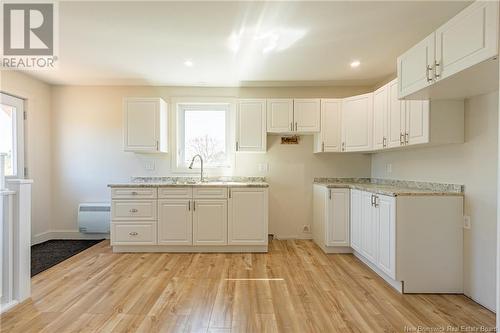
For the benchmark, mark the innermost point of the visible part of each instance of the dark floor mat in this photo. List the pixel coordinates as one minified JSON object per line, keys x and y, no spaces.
{"x":52,"y":252}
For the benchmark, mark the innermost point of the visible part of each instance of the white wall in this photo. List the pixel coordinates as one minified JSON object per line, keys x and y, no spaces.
{"x":37,"y":142}
{"x":87,"y":153}
{"x":473,"y":164}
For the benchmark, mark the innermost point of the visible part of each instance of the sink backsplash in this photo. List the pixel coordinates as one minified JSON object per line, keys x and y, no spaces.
{"x":195,"y":179}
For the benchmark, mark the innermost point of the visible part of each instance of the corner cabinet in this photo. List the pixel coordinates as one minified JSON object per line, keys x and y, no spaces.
{"x":251,"y":131}
{"x":294,"y":115}
{"x":458,"y":60}
{"x":331,"y":218}
{"x":357,"y":123}
{"x":247,"y":216}
{"x":145,"y":125}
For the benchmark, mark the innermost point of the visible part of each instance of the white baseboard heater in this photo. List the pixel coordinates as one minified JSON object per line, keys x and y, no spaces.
{"x":94,"y":218}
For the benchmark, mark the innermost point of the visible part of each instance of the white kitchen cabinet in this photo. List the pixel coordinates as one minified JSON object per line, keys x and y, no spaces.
{"x":307,"y":115}
{"x":356,"y":218}
{"x":357,"y":123}
{"x":415,"y":66}
{"x":210,"y":222}
{"x":280,"y":115}
{"x":385,"y":212}
{"x":396,"y":114}
{"x":251,"y":131}
{"x":467,"y":39}
{"x":145,"y":124}
{"x":380,"y":117}
{"x":458,"y":60}
{"x":369,"y":227}
{"x":175,"y":222}
{"x":247,"y":216}
{"x":331,"y":218}
{"x":417,"y":122}
{"x":329,"y":138}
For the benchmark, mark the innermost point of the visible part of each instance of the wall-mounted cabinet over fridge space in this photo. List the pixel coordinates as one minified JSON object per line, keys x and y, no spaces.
{"x":293,"y":115}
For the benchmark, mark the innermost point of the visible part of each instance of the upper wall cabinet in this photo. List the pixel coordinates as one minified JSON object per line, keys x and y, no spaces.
{"x":279,"y":115}
{"x":145,"y":123}
{"x":357,"y":123}
{"x":458,"y":60}
{"x":293,"y":115}
{"x":306,"y":115}
{"x":251,"y":125}
{"x":380,"y":117}
{"x":329,"y":138}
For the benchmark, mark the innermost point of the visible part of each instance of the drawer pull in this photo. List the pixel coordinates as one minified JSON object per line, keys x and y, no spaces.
{"x":133,"y":233}
{"x":134,"y":193}
{"x":133,"y":210}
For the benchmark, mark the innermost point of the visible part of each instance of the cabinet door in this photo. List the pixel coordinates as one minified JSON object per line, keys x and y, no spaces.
{"x":417,"y":122}
{"x":251,"y":125}
{"x":415,"y":67}
{"x":175,"y":225}
{"x":467,"y":39}
{"x":337,"y":232}
{"x":369,"y":228}
{"x":210,"y":222}
{"x":279,"y":115}
{"x":331,"y":125}
{"x":356,"y":216}
{"x":248,"y":216}
{"x":386,"y":211}
{"x":307,"y":115}
{"x":396,"y":117}
{"x":145,"y":125}
{"x":380,"y":100}
{"x":357,"y":123}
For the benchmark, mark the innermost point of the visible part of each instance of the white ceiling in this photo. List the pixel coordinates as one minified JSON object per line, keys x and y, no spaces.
{"x":277,"y":43}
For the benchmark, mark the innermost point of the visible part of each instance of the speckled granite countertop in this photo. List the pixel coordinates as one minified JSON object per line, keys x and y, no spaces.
{"x":392,"y":187}
{"x":193,"y":182}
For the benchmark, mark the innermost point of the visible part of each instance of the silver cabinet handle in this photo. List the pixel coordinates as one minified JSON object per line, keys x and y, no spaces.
{"x":134,"y":193}
{"x":295,"y":126}
{"x":237,"y":146}
{"x":194,"y":206}
{"x":428,"y":73}
{"x":229,"y":193}
{"x":133,"y":210}
{"x":384,"y":142}
{"x":401,"y":139}
{"x":133,"y":233}
{"x":436,"y":74}
{"x":343,"y":146}
{"x":189,"y":205}
{"x":330,"y":193}
{"x":322,"y":146}
{"x":407,"y":138}
{"x":371,"y":200}
{"x":157,"y":145}
{"x":291,"y":126}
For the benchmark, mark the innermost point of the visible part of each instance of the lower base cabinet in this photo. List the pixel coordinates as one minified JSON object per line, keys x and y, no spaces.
{"x":247,"y":224}
{"x":210,"y":222}
{"x":414,"y":242}
{"x":190,"y":219}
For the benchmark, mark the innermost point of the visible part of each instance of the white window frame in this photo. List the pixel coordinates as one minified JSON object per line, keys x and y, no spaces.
{"x":195,"y":103}
{"x":18,"y":139}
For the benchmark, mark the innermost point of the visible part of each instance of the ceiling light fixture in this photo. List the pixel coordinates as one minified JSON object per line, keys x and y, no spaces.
{"x":355,"y":63}
{"x":188,"y":63}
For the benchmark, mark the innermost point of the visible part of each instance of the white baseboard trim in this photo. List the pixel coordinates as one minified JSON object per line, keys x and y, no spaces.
{"x":64,"y":234}
{"x":8,"y":306}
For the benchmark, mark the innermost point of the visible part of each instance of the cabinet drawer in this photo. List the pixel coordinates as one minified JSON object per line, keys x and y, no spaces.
{"x":134,"y":193}
{"x":133,"y":234}
{"x":210,"y":192}
{"x":133,"y":209}
{"x":175,"y":193}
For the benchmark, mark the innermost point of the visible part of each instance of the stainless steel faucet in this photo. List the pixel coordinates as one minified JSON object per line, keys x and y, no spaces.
{"x":201,"y":169}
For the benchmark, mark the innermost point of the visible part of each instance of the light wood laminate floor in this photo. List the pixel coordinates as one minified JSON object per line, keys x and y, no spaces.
{"x":99,"y":291}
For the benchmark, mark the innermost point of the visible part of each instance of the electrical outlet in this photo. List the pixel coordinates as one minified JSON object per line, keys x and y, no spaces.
{"x":467,"y":224}
{"x":306,"y":228}
{"x":149,"y":165}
